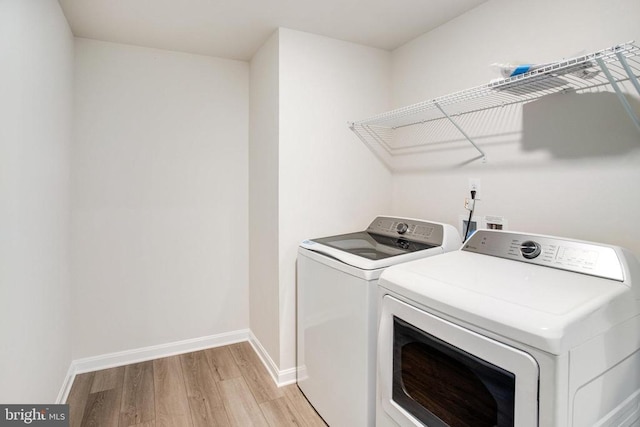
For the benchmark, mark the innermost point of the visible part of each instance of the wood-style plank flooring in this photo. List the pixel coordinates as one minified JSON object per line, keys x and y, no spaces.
{"x":223,"y":386}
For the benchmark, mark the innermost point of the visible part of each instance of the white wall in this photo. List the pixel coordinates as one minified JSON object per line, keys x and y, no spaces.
{"x":329,"y":182}
{"x":159,"y":197}
{"x":263,"y":198}
{"x":36,"y":83}
{"x":568,"y":165}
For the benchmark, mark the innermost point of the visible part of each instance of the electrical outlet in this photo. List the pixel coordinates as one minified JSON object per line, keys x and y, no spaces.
{"x":474,"y":185}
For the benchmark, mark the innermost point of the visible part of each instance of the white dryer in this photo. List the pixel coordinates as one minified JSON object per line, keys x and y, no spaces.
{"x":512,"y":330}
{"x":337,"y":310}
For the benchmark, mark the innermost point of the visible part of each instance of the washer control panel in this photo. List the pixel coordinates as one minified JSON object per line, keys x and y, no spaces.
{"x":571,"y":255}
{"x":402,"y":227}
{"x":409,"y":229}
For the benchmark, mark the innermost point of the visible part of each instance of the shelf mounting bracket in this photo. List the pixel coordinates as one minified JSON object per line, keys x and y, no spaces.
{"x":468,"y":138}
{"x":616,"y":87}
{"x":628,"y":70}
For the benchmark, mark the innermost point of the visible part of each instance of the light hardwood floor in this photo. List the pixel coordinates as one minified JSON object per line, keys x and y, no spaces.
{"x":223,"y":386}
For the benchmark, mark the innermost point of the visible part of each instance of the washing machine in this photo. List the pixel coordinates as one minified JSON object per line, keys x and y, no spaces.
{"x":513,"y":329}
{"x":337,"y":279}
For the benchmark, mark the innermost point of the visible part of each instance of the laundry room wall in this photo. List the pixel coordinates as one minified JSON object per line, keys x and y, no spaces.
{"x":309,"y":175}
{"x":159,"y":197}
{"x":329,"y":182}
{"x":567,"y":164}
{"x":36,"y":106}
{"x":264,"y":286}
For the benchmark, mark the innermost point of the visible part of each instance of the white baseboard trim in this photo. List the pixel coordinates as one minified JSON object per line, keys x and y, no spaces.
{"x":111,"y":360}
{"x":66,"y":385}
{"x":280,"y":377}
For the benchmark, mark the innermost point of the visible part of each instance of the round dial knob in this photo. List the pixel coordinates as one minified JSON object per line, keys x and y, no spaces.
{"x":530,"y":249}
{"x":402,"y":228}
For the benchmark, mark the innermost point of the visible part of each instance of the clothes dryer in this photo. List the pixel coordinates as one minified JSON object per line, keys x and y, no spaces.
{"x":513,"y":329}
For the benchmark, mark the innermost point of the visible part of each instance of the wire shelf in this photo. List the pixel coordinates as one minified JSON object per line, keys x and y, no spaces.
{"x":602,"y":69}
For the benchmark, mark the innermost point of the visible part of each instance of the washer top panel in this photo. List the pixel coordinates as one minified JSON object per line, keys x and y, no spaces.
{"x":387,"y":241}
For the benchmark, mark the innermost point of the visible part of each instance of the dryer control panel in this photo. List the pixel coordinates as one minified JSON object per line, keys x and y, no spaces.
{"x":571,"y":255}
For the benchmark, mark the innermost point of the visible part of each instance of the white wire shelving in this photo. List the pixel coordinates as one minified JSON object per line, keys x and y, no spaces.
{"x":605,"y":69}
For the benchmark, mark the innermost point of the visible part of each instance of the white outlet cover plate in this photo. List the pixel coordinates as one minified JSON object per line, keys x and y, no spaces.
{"x":474,"y":183}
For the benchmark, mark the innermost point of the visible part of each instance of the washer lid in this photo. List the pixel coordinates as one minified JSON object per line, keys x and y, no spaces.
{"x":547,"y":308}
{"x":387,"y":241}
{"x":363,"y":254}
{"x":372,"y":246}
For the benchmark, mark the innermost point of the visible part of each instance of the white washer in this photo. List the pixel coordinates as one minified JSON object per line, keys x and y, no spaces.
{"x":337,"y":310}
{"x":512,"y":330}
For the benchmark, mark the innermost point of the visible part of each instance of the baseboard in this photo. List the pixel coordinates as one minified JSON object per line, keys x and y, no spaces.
{"x":66,"y":385}
{"x":111,"y":360}
{"x":280,"y":377}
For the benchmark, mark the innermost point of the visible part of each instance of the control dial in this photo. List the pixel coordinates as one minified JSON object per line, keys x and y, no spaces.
{"x":530,"y":249}
{"x":402,"y":228}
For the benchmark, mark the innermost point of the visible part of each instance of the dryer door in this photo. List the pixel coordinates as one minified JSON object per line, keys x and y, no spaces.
{"x":435,"y":373}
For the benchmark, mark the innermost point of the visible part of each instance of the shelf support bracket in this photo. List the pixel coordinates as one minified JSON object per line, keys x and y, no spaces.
{"x":453,"y":122}
{"x":618,"y":91}
{"x":627,"y":68}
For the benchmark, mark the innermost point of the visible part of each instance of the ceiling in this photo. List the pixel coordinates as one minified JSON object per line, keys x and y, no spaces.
{"x":236,"y":29}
